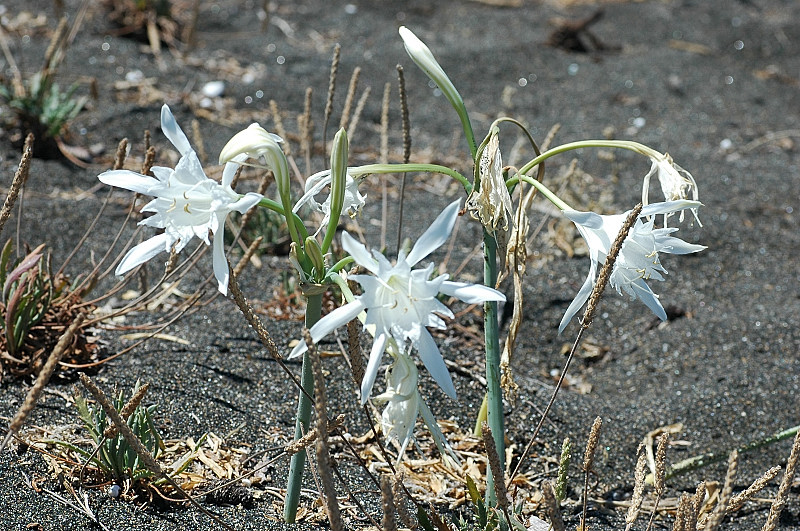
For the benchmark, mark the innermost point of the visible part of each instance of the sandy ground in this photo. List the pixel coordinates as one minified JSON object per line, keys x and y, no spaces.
{"x":715,"y":84}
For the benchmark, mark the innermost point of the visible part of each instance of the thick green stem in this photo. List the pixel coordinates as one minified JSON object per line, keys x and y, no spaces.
{"x":492,"y":337}
{"x":405,"y":168}
{"x":313,"y":312}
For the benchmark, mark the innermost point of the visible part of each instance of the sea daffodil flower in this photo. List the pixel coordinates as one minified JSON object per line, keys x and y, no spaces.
{"x":400,"y":302}
{"x":638,"y":259}
{"x":402,"y":400}
{"x":187,"y":204}
{"x":353,"y":200}
{"x":676,"y":183}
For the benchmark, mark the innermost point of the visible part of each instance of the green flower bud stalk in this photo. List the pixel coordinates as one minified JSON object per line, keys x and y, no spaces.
{"x":339,"y":154}
{"x":314,"y":253}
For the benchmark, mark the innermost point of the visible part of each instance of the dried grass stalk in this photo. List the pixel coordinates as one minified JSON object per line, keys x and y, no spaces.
{"x":788,"y":477}
{"x":552,"y":506}
{"x":337,"y":52}
{"x":122,"y":152}
{"x":149,"y":159}
{"x":20,"y":178}
{"x":684,"y":507}
{"x":400,"y":504}
{"x":42,"y":380}
{"x":494,"y":464}
{"x":306,"y":127}
{"x":388,"y":522}
{"x":758,"y":485}
{"x":660,"y":474}
{"x":638,"y":489}
{"x":362,"y":101}
{"x":348,"y":100}
{"x":401,"y":87}
{"x":278,"y":121}
{"x":563,"y":469}
{"x":323,"y":454}
{"x":248,"y":254}
{"x":197,"y":137}
{"x":727,"y":490}
{"x":588,"y":462}
{"x":127,"y":410}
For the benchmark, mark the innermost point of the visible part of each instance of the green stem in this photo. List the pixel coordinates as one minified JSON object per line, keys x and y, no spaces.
{"x":406,"y":168}
{"x":297,"y":465}
{"x":617,"y":144}
{"x":269,"y":204}
{"x":492,"y":337}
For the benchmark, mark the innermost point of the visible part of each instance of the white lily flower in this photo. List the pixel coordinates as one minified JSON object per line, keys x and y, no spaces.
{"x":400,"y":302}
{"x":353,"y":200}
{"x":187,"y":204}
{"x":676,"y":183}
{"x":638,"y":259}
{"x":402,"y":401}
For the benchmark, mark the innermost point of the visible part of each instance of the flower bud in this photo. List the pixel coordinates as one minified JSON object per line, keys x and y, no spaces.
{"x":314,"y":253}
{"x":339,"y":154}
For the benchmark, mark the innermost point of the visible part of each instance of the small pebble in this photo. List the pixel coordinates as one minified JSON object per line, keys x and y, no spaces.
{"x":213,"y":89}
{"x":114,"y":491}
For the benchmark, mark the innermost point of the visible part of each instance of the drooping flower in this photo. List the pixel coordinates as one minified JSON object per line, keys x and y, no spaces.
{"x":491,"y":203}
{"x":402,"y":400}
{"x":638,"y":259}
{"x":353,"y":200}
{"x":187,"y":204}
{"x":676,"y":183}
{"x":400,"y":303}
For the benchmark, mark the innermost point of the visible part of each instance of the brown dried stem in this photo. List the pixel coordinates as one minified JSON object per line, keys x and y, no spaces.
{"x":348,"y":101}
{"x":788,"y":477}
{"x":588,"y":462}
{"x":20,"y":178}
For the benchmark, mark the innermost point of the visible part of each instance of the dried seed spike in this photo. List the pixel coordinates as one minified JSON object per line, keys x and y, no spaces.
{"x":236,"y":176}
{"x":494,"y":463}
{"x":401,"y":81}
{"x":552,"y":506}
{"x":149,"y":159}
{"x":684,"y":506}
{"x":197,"y":137}
{"x":788,"y":477}
{"x":306,"y":126}
{"x":251,"y":317}
{"x":399,"y":502}
{"x":128,"y":409}
{"x":41,"y":381}
{"x":323,"y":454}
{"x":351,"y":95}
{"x":146,"y":140}
{"x":724,"y":497}
{"x":661,"y":463}
{"x":699,"y":498}
{"x":20,"y":178}
{"x":387,"y":91}
{"x":55,"y":43}
{"x":638,"y":489}
{"x":591,"y":445}
{"x":122,"y":152}
{"x":357,"y":114}
{"x":608,"y":266}
{"x":278,"y":121}
{"x":737,"y":501}
{"x":388,"y":523}
{"x":337,"y":51}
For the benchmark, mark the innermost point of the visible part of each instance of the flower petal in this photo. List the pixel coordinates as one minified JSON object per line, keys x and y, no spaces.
{"x":221,"y":270}
{"x":471,"y":293}
{"x":433,"y":361}
{"x":436,"y":235}
{"x":338,"y":317}
{"x":173,"y":131}
{"x":650,"y":299}
{"x":371,"y":372}
{"x":129,"y":180}
{"x":144,"y":252}
{"x":579,"y":300}
{"x":230,"y":169}
{"x":359,"y":253}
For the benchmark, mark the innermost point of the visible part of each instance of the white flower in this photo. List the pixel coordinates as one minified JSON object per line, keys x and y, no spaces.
{"x":402,"y":400}
{"x":638,"y":259}
{"x":187,"y":204}
{"x":492,"y":202}
{"x":676,"y":183}
{"x":353,"y":200}
{"x":400,"y":302}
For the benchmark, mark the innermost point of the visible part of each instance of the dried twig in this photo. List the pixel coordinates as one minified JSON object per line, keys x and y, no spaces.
{"x":788,"y":477}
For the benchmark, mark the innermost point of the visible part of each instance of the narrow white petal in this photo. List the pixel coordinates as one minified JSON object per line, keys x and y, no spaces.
{"x":129,"y":180}
{"x":375,"y":355}
{"x":650,"y":299}
{"x":433,"y":361}
{"x":578,"y":301}
{"x":246,"y":202}
{"x":338,"y":317}
{"x":471,"y":293}
{"x":587,"y":219}
{"x":221,"y":271}
{"x":173,"y":131}
{"x":230,"y":169}
{"x":436,"y":235}
{"x":667,"y":207}
{"x":144,"y":252}
{"x":359,"y":253}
